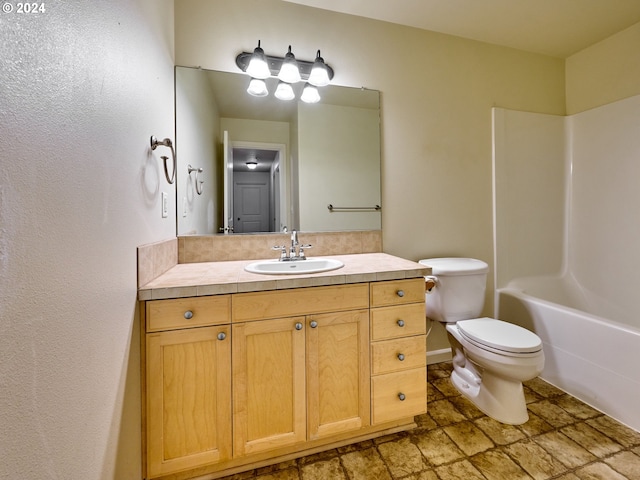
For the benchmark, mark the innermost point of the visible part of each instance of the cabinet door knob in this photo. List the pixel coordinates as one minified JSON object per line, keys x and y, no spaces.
{"x":313,"y":324}
{"x":298,"y":326}
{"x":401,"y":396}
{"x":188,"y":314}
{"x":401,"y":357}
{"x":401,"y":323}
{"x":400,"y":293}
{"x":222,"y":336}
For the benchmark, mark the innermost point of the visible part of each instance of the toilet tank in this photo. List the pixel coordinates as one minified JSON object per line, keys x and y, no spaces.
{"x":459,"y":291}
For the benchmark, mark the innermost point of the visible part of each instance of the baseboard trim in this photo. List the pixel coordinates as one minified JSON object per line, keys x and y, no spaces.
{"x":437,"y":356}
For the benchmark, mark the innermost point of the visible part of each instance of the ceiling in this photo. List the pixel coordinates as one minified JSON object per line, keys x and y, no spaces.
{"x":558,"y":28}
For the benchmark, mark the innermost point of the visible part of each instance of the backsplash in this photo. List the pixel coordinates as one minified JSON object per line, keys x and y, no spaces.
{"x":156,"y":258}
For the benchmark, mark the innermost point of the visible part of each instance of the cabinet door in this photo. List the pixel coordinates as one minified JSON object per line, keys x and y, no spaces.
{"x":268,"y":384}
{"x":188,"y":399}
{"x":337,"y":373}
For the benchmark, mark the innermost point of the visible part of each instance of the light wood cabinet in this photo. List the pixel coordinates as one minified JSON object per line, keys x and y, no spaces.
{"x":188,"y":399}
{"x":268,"y":385}
{"x":337,"y":373}
{"x":242,"y":380}
{"x":398,"y":350}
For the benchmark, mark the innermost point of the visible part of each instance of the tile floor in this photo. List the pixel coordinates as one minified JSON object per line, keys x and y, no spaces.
{"x":564,"y":439}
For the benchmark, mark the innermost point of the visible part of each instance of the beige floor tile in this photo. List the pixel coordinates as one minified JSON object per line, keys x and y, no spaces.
{"x":464,"y":406}
{"x":618,"y":432}
{"x":627,"y":463}
{"x":437,"y":447}
{"x":575,"y":407}
{"x":543,"y":388}
{"x":535,"y":425}
{"x":535,"y":460}
{"x":459,"y":470}
{"x":426,"y":475}
{"x":445,"y":386}
{"x":323,"y":470}
{"x":599,"y":471}
{"x":591,"y":439}
{"x":551,"y":413}
{"x":402,"y":457}
{"x":425,"y":422}
{"x":444,"y":413}
{"x":500,"y":433}
{"x":568,"y":476}
{"x":288,"y":474}
{"x":365,"y":465}
{"x":564,"y":449}
{"x":497,"y":465}
{"x":468,"y":438}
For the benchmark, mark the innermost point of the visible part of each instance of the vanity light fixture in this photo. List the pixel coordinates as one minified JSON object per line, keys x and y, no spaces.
{"x":319,"y":75}
{"x":288,"y":69}
{"x":310,"y":94}
{"x":257,"y":88}
{"x":284,"y":91}
{"x":252,"y":165}
{"x":289,"y":72}
{"x":258,"y":66}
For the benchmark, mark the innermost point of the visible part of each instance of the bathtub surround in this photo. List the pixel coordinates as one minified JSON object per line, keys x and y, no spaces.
{"x":566,"y":246}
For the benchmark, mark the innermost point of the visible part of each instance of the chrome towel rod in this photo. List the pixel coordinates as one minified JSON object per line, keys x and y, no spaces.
{"x":353,"y":209}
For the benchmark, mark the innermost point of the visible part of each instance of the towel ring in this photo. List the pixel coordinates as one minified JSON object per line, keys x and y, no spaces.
{"x":198,"y":182}
{"x":166,"y":143}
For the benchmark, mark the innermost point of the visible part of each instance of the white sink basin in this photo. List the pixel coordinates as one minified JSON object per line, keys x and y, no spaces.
{"x":294,"y":267}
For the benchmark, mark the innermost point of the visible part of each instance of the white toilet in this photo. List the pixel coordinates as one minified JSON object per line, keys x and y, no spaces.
{"x":491,"y":358}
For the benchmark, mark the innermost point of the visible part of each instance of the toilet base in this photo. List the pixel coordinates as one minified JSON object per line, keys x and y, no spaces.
{"x":499,"y":398}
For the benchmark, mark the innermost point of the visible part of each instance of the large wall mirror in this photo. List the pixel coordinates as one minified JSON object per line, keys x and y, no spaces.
{"x":269,"y":165}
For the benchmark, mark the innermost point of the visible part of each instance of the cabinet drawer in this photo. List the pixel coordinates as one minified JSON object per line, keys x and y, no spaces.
{"x":400,"y":354}
{"x":388,"y":390}
{"x":397,"y":292}
{"x":299,"y":301}
{"x":400,"y":321}
{"x":188,"y":312}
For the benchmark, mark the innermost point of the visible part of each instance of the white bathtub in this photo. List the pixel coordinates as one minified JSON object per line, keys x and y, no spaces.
{"x":594,"y":359}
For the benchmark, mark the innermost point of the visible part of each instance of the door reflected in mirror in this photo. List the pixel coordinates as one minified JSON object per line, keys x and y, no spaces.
{"x":306,"y":157}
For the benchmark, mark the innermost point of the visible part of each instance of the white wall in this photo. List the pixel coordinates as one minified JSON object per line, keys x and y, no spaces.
{"x":339,"y":165}
{"x":82,"y":88}
{"x":437,"y":92}
{"x":198,"y":122}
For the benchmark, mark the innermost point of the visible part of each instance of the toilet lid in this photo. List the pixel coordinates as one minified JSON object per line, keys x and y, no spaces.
{"x":500,"y":335}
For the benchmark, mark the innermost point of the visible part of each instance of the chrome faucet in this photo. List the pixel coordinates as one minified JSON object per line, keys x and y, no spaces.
{"x":296,"y":251}
{"x":294,"y":244}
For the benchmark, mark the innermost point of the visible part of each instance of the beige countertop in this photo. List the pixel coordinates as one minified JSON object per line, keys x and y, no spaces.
{"x":215,"y":278}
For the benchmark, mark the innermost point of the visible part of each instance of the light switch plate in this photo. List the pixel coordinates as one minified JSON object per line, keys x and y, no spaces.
{"x":165,"y":205}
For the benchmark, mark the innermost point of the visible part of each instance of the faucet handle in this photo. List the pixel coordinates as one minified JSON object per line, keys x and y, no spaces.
{"x":283,"y":251}
{"x":302,"y":247}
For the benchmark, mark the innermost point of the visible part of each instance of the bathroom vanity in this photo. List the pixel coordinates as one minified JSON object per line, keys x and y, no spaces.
{"x":242,"y":370}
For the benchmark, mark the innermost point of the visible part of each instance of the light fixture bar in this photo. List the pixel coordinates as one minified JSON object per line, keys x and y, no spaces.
{"x":275,"y":63}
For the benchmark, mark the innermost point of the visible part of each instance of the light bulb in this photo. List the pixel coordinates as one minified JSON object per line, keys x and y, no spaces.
{"x":258,"y":66}
{"x":257,"y":88}
{"x":319,"y":75}
{"x":289,"y":72}
{"x":284,"y":91}
{"x":310,"y":94}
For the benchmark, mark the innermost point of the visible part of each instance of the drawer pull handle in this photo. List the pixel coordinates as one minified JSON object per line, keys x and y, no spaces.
{"x":401,"y":396}
{"x":401,"y":323}
{"x":401,"y":357}
{"x":298,"y":326}
{"x":188,"y":314}
{"x":222,"y":336}
{"x":313,"y":324}
{"x":400,"y":293}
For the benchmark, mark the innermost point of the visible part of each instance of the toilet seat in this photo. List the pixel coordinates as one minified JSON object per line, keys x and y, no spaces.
{"x":500,"y":337}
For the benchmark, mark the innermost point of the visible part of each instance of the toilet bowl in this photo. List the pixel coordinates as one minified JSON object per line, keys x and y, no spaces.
{"x":491,"y":358}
